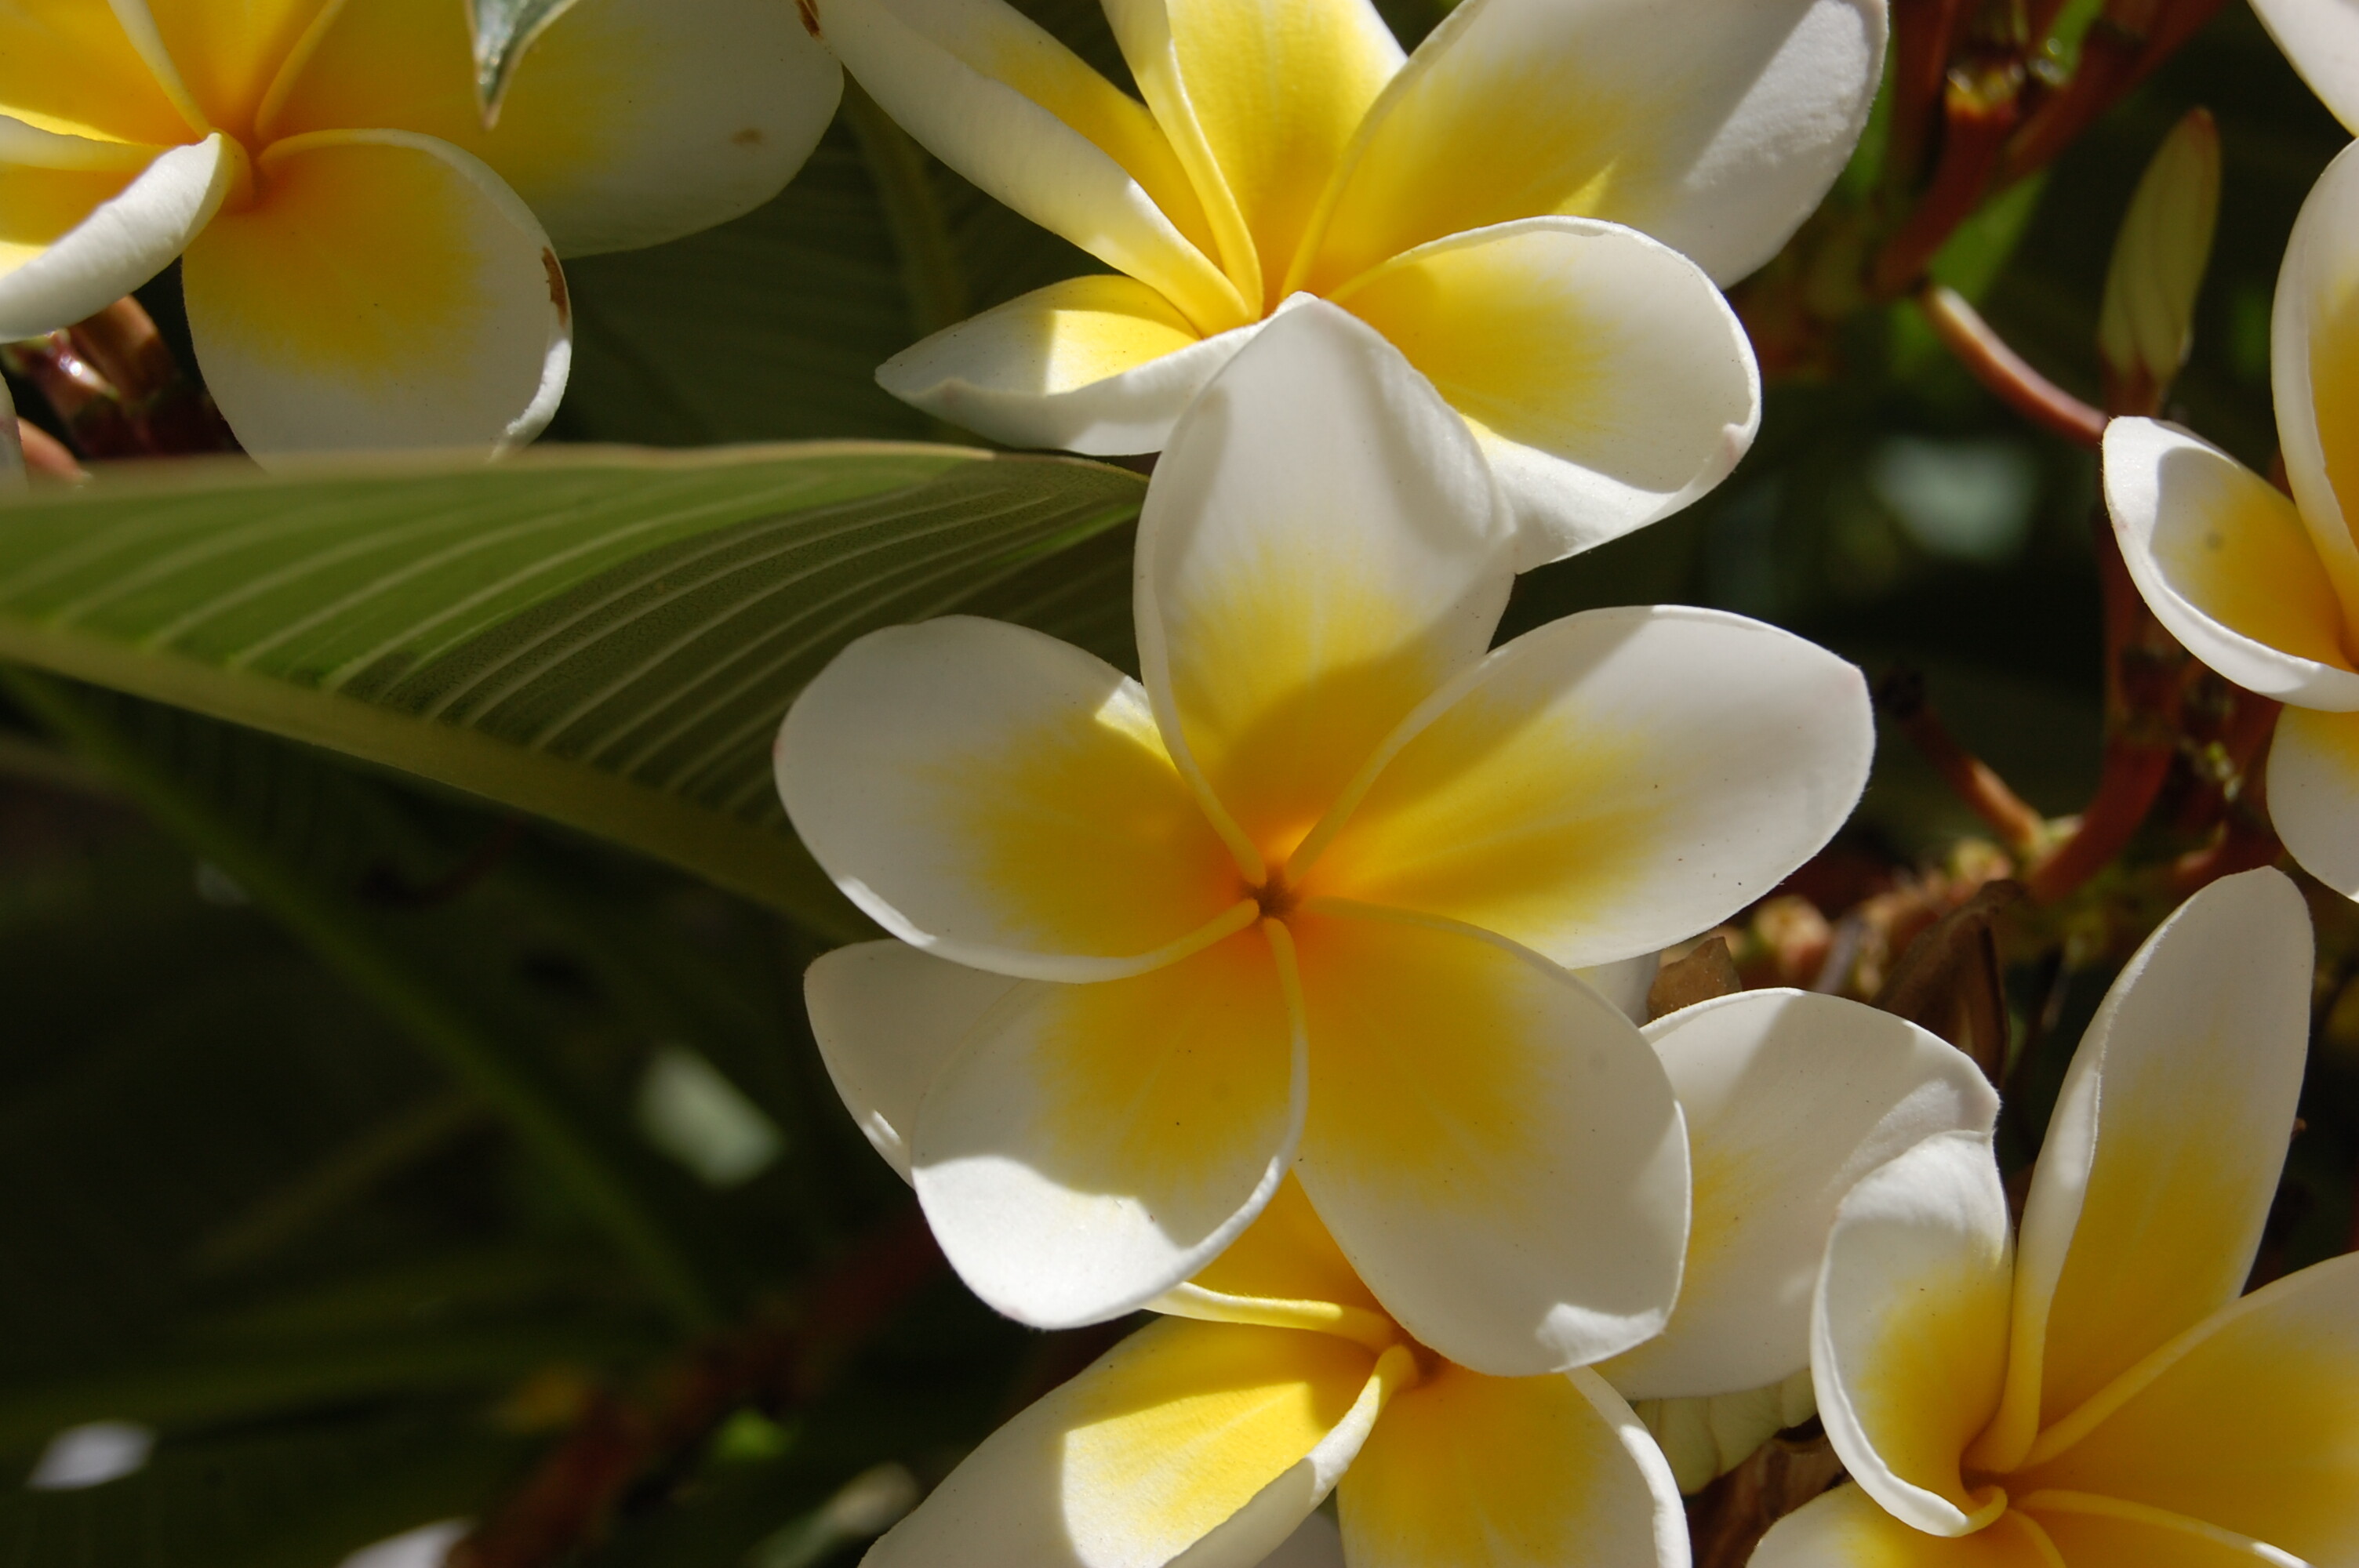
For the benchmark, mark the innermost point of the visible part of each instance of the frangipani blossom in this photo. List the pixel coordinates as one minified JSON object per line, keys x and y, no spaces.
{"x":1306,"y":898}
{"x":1215,"y":1438}
{"x":1515,"y":206}
{"x":366,"y":263}
{"x":2263,"y":589}
{"x":2100,"y":1393}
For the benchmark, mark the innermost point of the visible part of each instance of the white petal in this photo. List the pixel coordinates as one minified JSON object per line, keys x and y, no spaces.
{"x":1493,"y":1145}
{"x":2163,"y":1154}
{"x":1626,"y":982}
{"x":1321,"y":548}
{"x":1845,"y":1529}
{"x":1099,"y":364}
{"x":886,"y":1016}
{"x":386,"y":290}
{"x":1909,"y":1333}
{"x":2314,"y":793}
{"x":1610,"y":382}
{"x":1315,"y":1544}
{"x":1189,"y":1443}
{"x":2321,"y":38}
{"x":124,"y":241}
{"x":2314,"y":369}
{"x":1002,"y":798}
{"x":1477,"y":1472}
{"x":1012,"y":110}
{"x":1717,"y":135}
{"x":1611,"y":783}
{"x":1090,"y":1147}
{"x":2227,"y":566}
{"x":628,"y":122}
{"x":1791,"y":1098}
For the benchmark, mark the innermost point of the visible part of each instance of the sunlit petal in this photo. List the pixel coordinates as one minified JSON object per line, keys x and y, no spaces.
{"x":70,"y":68}
{"x":1090,"y":1147}
{"x":1171,"y":1436}
{"x":630,"y":121}
{"x":1322,"y":547}
{"x":2313,"y":780}
{"x":1287,"y":1270}
{"x":73,"y":241}
{"x":1263,"y":100}
{"x":1100,"y":365}
{"x":2314,"y":370}
{"x":1610,"y":382}
{"x":886,"y":1016}
{"x":2321,"y":38}
{"x":2163,"y":1154}
{"x":1908,"y":1332}
{"x":2105,"y":1532}
{"x":2226,"y":565}
{"x":1003,"y":799}
{"x":226,"y":53}
{"x":1019,"y":114}
{"x":1717,"y":135}
{"x":1492,"y":1142}
{"x":1845,"y":1529}
{"x":2249,"y":1423}
{"x":1477,"y":1472}
{"x":1791,"y":1098}
{"x":1611,"y":783}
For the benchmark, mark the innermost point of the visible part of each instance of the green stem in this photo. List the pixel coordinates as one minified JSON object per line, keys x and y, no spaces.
{"x":342,"y":940}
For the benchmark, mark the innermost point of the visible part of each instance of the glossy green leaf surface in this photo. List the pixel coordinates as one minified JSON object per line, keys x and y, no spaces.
{"x":606,"y":639}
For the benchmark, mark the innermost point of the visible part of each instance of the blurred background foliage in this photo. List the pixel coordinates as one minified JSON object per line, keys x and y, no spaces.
{"x":260,"y":1211}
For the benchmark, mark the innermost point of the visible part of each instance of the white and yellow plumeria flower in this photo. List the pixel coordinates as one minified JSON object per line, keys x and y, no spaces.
{"x":366,"y":264}
{"x":2263,"y":589}
{"x":1514,"y":206}
{"x":1310,"y":893}
{"x":2100,"y":1393}
{"x":1215,"y":1438}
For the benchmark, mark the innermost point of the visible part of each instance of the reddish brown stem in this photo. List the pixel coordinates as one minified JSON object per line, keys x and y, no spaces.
{"x":83,"y":399}
{"x":1978,"y":112}
{"x":1922,"y":31}
{"x":2121,"y":49}
{"x":43,"y":453}
{"x":1901,"y":695}
{"x":2006,"y":373}
{"x":2132,"y":777}
{"x":2241,"y":846}
{"x":167,"y":411}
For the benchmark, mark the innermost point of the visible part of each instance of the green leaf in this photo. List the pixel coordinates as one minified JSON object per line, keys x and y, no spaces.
{"x":503,"y":30}
{"x":606,"y":639}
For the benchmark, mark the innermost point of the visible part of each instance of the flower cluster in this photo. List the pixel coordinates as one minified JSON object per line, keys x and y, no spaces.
{"x":1295,"y":989}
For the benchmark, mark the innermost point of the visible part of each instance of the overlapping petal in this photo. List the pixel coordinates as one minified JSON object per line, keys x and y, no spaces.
{"x":1909,"y":1330}
{"x":1003,"y":799}
{"x":2314,"y":370}
{"x":1285,"y":1270}
{"x":1609,"y":380}
{"x":227,"y":53}
{"x":2105,"y":1532}
{"x":2164,"y":1152}
{"x":1208,"y":1436}
{"x":76,"y":234}
{"x":1791,"y":1098}
{"x":1089,"y":1147}
{"x":388,"y":291}
{"x":1846,"y":1529}
{"x":886,"y":1016}
{"x":2227,"y":566}
{"x":1100,"y":365}
{"x":1492,"y":1144}
{"x":1717,"y":135}
{"x":1264,"y":100}
{"x":1481,"y":1472}
{"x":2321,"y":38}
{"x":72,"y":68}
{"x":2314,"y":793}
{"x":1611,"y":783}
{"x":1322,"y":547}
{"x":629,"y":122}
{"x":2249,"y":1423}
{"x":1019,"y":114}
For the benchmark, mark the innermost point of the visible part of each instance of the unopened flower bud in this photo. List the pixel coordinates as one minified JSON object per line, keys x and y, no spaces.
{"x":2159,"y":257}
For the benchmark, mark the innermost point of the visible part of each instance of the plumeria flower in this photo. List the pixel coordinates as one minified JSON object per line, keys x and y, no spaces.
{"x":1216,"y":1437}
{"x":2099,"y":1391}
{"x":1514,"y":205}
{"x":1306,"y":896}
{"x":2263,"y":589}
{"x":366,"y":263}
